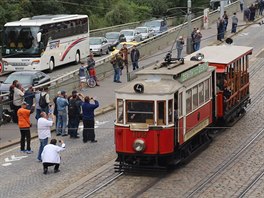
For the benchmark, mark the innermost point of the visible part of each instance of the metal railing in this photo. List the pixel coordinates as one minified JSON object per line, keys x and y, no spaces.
{"x":148,"y":47}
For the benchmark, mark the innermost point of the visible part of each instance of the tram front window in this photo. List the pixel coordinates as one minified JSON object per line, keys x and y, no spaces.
{"x":140,"y":112}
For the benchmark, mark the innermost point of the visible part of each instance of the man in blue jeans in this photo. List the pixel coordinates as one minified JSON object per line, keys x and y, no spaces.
{"x":62,"y":103}
{"x":44,"y":124}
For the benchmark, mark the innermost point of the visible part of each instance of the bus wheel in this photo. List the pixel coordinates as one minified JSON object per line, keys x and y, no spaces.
{"x":77,"y":58}
{"x":51,"y":65}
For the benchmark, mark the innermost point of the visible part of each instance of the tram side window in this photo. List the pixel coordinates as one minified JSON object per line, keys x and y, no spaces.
{"x":170,"y":111}
{"x":180,"y":105}
{"x":195,"y":97}
{"x":161,"y":112}
{"x":120,"y":111}
{"x":201,"y":93}
{"x":188,"y":101}
{"x":140,"y":112}
{"x":206,"y":90}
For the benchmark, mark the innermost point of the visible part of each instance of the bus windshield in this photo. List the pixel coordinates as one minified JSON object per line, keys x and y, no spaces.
{"x":20,"y":41}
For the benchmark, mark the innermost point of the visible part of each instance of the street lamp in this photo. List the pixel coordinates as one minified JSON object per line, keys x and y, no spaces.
{"x":189,"y":46}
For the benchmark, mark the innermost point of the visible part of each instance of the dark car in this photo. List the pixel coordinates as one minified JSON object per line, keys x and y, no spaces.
{"x":26,"y":78}
{"x":113,"y":39}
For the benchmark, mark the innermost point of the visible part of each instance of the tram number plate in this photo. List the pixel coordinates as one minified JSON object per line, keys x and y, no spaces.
{"x":139,"y":134}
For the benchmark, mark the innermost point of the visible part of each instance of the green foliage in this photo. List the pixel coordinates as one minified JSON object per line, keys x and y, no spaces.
{"x":101,"y":12}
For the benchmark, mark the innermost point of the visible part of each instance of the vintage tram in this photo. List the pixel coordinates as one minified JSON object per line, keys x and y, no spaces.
{"x":165,"y":113}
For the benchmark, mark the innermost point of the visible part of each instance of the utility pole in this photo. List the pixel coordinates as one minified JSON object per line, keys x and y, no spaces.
{"x":222,"y":7}
{"x":189,"y":46}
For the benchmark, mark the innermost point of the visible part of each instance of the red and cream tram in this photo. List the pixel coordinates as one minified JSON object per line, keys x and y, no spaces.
{"x":163,"y":115}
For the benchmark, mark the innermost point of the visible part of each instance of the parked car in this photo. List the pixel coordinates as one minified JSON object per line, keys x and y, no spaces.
{"x":159,"y":25}
{"x":99,"y":45}
{"x":120,"y":45}
{"x":146,"y":32}
{"x":25,"y":78}
{"x":131,"y":35}
{"x":113,"y":39}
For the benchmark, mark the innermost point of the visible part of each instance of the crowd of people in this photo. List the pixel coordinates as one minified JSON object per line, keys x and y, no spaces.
{"x":65,"y":112}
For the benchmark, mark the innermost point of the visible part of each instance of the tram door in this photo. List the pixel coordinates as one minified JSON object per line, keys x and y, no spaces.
{"x":176,"y":116}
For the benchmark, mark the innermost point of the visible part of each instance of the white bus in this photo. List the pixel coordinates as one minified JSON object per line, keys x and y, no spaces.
{"x":44,"y":42}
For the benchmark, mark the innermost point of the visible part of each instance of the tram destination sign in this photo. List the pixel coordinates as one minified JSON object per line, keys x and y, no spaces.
{"x":193,"y":72}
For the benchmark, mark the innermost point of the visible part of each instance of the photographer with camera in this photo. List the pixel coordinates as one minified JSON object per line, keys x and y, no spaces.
{"x":88,"y":119}
{"x":44,"y":124}
{"x":62,"y":103}
{"x":51,"y":157}
{"x":74,"y":112}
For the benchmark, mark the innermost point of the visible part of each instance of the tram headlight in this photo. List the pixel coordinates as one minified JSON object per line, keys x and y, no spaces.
{"x":139,"y":145}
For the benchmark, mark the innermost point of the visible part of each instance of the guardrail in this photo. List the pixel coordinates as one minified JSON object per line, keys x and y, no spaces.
{"x":104,"y":68}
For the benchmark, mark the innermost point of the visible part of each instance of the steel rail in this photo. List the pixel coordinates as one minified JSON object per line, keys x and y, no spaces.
{"x":103,"y":185}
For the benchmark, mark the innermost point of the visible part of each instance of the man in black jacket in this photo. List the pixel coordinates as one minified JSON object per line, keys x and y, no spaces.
{"x":134,"y":57}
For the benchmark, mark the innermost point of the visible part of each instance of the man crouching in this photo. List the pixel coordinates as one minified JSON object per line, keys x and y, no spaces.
{"x":50,"y":155}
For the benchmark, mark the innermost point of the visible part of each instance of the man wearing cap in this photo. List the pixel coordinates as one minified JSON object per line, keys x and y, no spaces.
{"x":74,"y":112}
{"x":23,"y":115}
{"x":62,"y":103}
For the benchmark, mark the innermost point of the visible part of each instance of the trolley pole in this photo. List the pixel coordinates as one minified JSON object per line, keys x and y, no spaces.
{"x":189,"y":46}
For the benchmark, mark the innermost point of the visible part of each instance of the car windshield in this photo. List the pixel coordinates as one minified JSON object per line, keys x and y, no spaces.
{"x":152,"y":24}
{"x":23,"y":79}
{"x":95,"y":41}
{"x":142,"y":30}
{"x":127,"y":32}
{"x":111,"y":35}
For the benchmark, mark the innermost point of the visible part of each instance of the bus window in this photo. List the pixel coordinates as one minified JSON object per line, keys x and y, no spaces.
{"x":120,"y":111}
{"x":188,"y":101}
{"x":140,"y":112}
{"x":161,"y":112}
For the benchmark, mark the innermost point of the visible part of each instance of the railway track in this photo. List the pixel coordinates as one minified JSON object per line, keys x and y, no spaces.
{"x":251,"y":184}
{"x":235,"y":155}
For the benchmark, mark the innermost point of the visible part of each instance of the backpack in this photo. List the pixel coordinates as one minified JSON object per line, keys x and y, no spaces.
{"x":73,"y":108}
{"x":42,"y":101}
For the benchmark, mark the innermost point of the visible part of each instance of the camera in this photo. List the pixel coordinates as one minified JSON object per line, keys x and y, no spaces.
{"x":59,"y":141}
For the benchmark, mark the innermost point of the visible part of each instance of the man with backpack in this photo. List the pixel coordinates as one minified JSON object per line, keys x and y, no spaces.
{"x":44,"y":100}
{"x":74,"y":112}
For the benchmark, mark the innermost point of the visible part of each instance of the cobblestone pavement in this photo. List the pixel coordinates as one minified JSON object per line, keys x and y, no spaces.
{"x":24,"y":177}
{"x":183,"y":180}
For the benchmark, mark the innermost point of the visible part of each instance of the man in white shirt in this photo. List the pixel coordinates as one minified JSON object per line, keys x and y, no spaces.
{"x":44,"y":124}
{"x":51,"y":157}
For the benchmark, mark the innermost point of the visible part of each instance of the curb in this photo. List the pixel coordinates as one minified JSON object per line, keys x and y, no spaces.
{"x":34,"y":134}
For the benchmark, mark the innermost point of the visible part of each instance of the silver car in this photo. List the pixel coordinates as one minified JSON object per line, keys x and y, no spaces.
{"x":146,"y":32}
{"x":99,"y":45}
{"x":131,"y":35}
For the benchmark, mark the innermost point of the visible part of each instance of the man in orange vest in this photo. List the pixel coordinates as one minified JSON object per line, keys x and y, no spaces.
{"x":23,"y":115}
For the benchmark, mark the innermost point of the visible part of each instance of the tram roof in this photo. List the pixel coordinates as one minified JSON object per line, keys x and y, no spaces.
{"x":224,"y":54}
{"x":154,"y":86}
{"x":171,"y":70}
